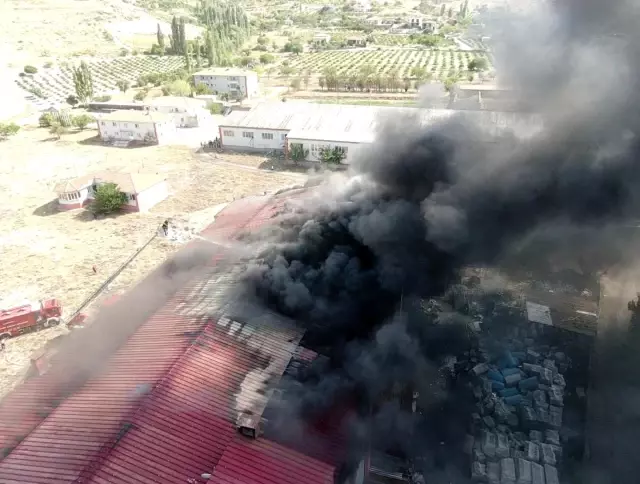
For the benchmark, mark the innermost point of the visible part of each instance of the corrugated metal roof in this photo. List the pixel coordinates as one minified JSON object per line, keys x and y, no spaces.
{"x":164,"y":407}
{"x":329,"y":122}
{"x":261,"y":462}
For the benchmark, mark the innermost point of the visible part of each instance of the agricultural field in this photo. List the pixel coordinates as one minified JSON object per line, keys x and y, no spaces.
{"x":56,"y":83}
{"x":441,"y":64}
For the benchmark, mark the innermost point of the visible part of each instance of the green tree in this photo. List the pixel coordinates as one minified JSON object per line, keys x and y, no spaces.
{"x":82,"y":121}
{"x":332,"y":155}
{"x":266,"y":58}
{"x":108,"y":199}
{"x":161,"y":43}
{"x":72,"y":100}
{"x":46,"y":120}
{"x":321,"y":82}
{"x":30,"y":69}
{"x":57,"y":129}
{"x":175,"y":37}
{"x":182,"y":36}
{"x":197,"y":49}
{"x":293,"y":47}
{"x":8,"y":129}
{"x":179,"y":88}
{"x":478,"y":64}
{"x":295,"y":84}
{"x":83,"y":82}
{"x":210,"y":48}
{"x":123,"y":85}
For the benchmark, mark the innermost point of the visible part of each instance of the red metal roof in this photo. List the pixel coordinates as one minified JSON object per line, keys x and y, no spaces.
{"x":248,"y":461}
{"x":164,"y":407}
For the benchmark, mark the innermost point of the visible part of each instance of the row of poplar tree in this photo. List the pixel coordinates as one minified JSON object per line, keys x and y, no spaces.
{"x":227,"y":28}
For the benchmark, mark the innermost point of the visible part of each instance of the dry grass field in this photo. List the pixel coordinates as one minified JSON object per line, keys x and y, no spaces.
{"x":47,"y":253}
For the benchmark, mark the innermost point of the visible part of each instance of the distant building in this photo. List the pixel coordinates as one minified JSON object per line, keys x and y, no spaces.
{"x":362,"y":6}
{"x":321,"y":39}
{"x":143,"y":126}
{"x":237,"y":83}
{"x":186,"y":112}
{"x":143,"y":191}
{"x":356,"y":41}
{"x":314,"y":127}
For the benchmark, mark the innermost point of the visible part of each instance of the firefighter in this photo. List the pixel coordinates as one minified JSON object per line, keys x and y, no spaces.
{"x":3,"y":346}
{"x":165,"y":227}
{"x":95,"y":271}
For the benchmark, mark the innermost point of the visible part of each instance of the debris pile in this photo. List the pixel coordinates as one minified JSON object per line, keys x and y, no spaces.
{"x":519,"y":388}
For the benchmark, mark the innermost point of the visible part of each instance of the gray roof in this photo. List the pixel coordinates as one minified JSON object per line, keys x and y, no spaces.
{"x":177,"y":101}
{"x":131,"y":116}
{"x":225,"y":71}
{"x":358,"y":124}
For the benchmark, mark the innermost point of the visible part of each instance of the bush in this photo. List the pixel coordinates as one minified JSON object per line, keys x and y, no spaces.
{"x":57,"y":129}
{"x":179,"y":88}
{"x":8,"y":129}
{"x":267,"y":58}
{"x":332,"y":155}
{"x":108,"y":199}
{"x":36,"y":91}
{"x":123,"y":85}
{"x":30,"y":69}
{"x":82,"y":121}
{"x":72,"y":100}
{"x":46,"y":120}
{"x":140,"y":95}
{"x":203,"y":89}
{"x":214,"y":108}
{"x":102,"y":99}
{"x":48,"y":65}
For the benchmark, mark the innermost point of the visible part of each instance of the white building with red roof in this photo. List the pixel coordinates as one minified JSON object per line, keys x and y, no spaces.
{"x":143,"y":190}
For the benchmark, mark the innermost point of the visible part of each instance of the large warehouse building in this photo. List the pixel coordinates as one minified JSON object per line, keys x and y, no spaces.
{"x":169,"y":384}
{"x":281,"y":126}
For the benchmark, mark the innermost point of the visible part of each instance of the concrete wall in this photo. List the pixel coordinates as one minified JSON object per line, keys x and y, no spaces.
{"x":152,"y":196}
{"x":261,"y":140}
{"x":314,"y":148}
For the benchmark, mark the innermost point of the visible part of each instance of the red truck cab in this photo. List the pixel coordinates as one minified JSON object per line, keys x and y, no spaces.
{"x":29,"y":317}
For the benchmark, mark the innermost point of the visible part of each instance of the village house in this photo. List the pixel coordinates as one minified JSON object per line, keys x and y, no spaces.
{"x":356,"y":41}
{"x":186,"y":112}
{"x":143,"y":126}
{"x":321,"y":39}
{"x":143,"y":190}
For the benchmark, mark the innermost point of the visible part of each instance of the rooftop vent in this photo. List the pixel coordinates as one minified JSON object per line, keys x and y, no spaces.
{"x":249,"y":425}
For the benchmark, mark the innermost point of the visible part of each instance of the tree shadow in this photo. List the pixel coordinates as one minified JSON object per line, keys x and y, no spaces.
{"x":86,"y":215}
{"x":50,"y":208}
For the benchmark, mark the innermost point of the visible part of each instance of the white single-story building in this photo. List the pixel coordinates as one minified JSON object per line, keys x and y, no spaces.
{"x":237,"y":83}
{"x":321,"y":39}
{"x":277,"y":126}
{"x":143,"y":190}
{"x":144,"y":126}
{"x":186,"y":112}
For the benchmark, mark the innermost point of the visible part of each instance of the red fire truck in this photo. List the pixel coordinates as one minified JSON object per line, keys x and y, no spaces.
{"x":29,"y":317}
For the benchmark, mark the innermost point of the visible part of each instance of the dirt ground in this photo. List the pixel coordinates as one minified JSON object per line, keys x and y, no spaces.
{"x":46,"y":253}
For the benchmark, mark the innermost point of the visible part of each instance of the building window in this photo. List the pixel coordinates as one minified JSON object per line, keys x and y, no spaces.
{"x":283,"y":136}
{"x":137,"y":125}
{"x":126,"y":125}
{"x":229,"y":133}
{"x":247,"y":134}
{"x":102,"y":123}
{"x":113,"y":124}
{"x":267,"y":135}
{"x":132,"y":197}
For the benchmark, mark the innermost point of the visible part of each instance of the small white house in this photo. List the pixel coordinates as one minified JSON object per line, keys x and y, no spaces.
{"x":145,"y":126}
{"x":237,"y":83}
{"x":186,"y":112}
{"x":321,"y":39}
{"x":143,"y":190}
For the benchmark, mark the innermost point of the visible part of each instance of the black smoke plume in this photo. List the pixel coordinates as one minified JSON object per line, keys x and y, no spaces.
{"x":426,"y":201}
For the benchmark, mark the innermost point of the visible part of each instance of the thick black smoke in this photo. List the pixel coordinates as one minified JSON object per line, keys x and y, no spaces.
{"x":425,"y":202}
